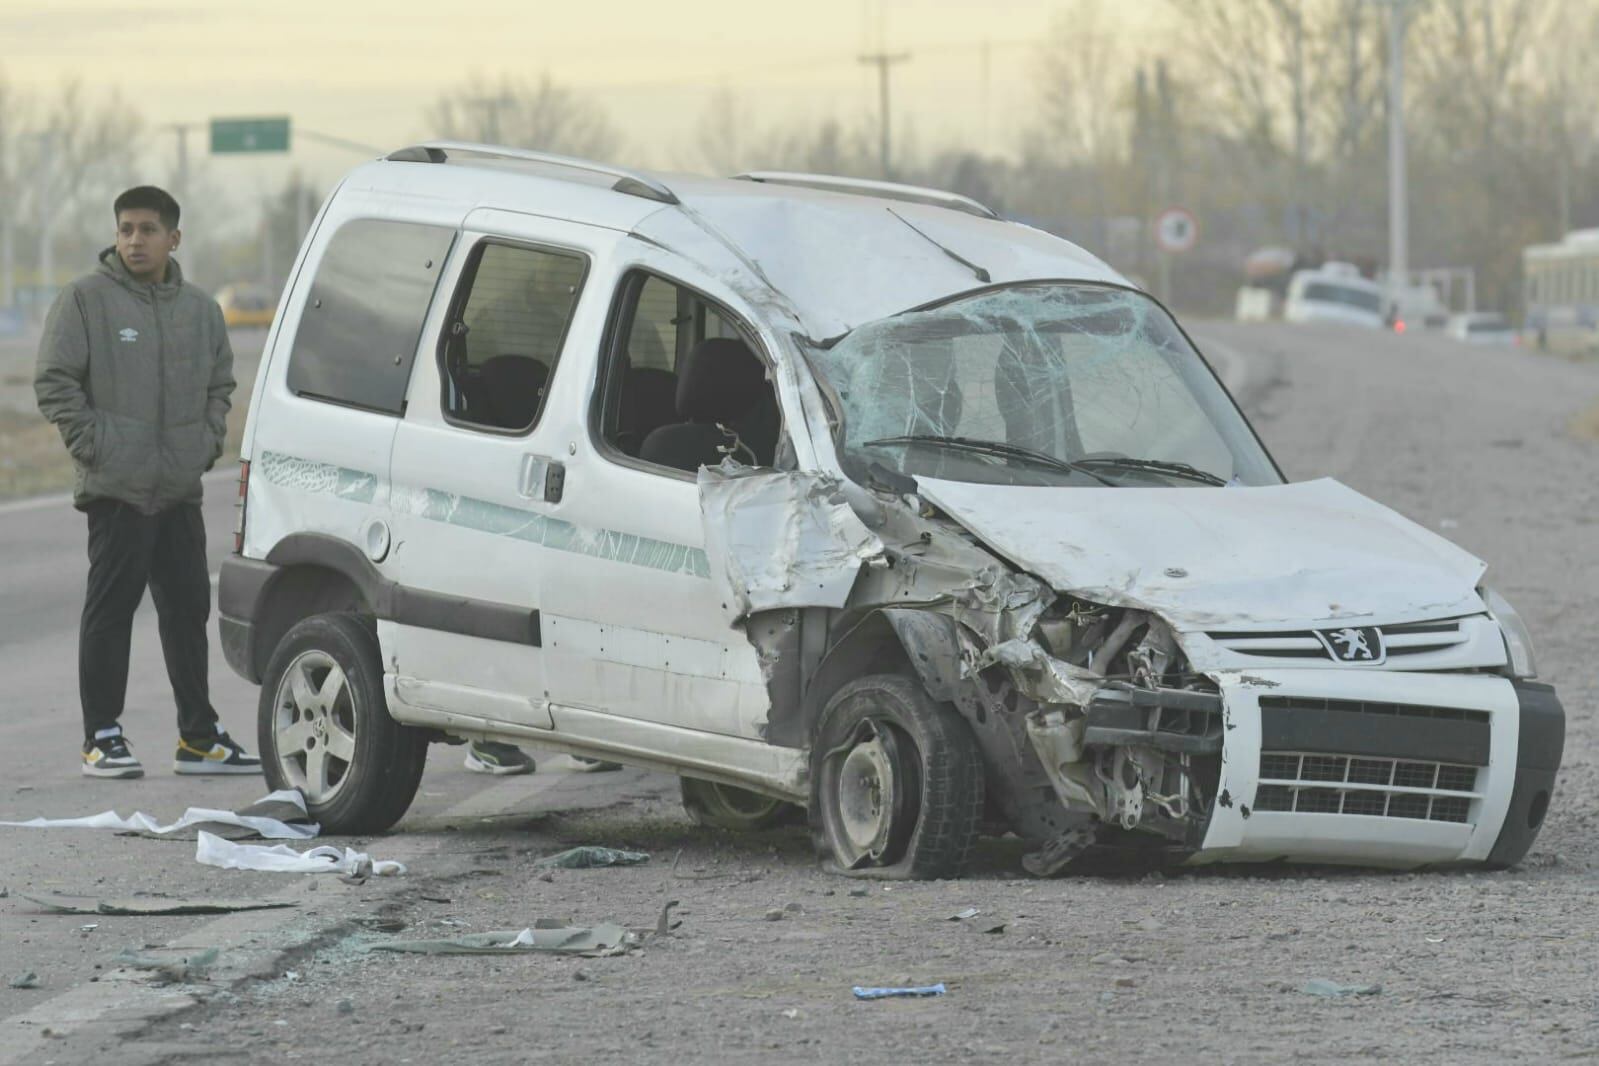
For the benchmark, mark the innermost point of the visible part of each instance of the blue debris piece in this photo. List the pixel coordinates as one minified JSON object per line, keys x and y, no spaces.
{"x":890,"y":993}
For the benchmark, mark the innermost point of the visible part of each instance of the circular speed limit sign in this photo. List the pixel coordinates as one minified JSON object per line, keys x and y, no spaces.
{"x":1175,"y":230}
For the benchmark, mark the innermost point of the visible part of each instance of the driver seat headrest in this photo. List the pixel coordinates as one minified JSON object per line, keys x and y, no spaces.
{"x":720,"y":380}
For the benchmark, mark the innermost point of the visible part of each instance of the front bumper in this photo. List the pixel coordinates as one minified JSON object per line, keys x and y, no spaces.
{"x":1382,"y":768}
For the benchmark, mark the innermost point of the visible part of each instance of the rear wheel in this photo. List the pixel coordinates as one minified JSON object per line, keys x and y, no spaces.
{"x":725,"y":807}
{"x":324,"y":727}
{"x":896,"y":782}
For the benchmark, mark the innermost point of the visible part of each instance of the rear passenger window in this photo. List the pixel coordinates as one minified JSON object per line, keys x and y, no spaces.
{"x":505,"y":333}
{"x":363,"y":318}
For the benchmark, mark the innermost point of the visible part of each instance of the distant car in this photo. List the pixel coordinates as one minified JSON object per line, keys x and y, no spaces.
{"x":247,"y":305}
{"x":1334,"y":295}
{"x":1488,"y":328}
{"x":1415,"y":307}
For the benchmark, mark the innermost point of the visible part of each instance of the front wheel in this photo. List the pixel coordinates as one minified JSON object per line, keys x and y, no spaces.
{"x":324,"y":727}
{"x":896,"y":782}
{"x":718,"y":806}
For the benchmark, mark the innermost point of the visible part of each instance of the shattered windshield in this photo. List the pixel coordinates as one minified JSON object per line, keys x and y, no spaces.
{"x":1041,"y":384}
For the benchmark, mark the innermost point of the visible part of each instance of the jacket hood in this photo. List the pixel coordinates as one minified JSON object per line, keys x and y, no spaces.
{"x":1299,"y":556}
{"x":112,"y":266}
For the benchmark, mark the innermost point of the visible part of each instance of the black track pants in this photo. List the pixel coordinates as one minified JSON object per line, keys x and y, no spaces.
{"x":127,"y":551}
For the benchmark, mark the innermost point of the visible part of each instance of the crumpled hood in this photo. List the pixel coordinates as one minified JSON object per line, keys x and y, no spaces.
{"x":1295,"y":556}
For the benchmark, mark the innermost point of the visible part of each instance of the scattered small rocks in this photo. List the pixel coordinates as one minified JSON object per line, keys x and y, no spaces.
{"x":774,"y":915}
{"x":27,"y":980}
{"x":345,"y":1007}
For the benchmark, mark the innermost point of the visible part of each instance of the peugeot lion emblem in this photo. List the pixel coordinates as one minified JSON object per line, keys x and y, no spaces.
{"x":1352,"y":644}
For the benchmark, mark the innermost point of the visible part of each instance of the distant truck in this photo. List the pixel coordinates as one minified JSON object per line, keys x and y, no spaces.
{"x":1562,"y":292}
{"x":1335,"y":292}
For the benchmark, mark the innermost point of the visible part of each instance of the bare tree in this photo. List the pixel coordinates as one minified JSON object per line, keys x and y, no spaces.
{"x":60,"y":164}
{"x":1084,"y":73}
{"x":541,"y":115}
{"x":725,"y":136}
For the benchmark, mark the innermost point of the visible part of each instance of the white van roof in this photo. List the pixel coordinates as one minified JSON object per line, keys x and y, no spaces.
{"x":828,"y":253}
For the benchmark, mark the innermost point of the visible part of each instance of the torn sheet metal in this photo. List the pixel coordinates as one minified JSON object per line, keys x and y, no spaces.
{"x":1000,"y":605}
{"x":594,"y":941}
{"x":781,"y":539}
{"x":278,"y":815}
{"x":1058,"y":740}
{"x":57,"y":903}
{"x":1304,"y":555}
{"x":212,"y":850}
{"x":1040,"y":675}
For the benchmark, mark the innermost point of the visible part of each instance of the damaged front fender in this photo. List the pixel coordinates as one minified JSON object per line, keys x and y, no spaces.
{"x":778,"y":539}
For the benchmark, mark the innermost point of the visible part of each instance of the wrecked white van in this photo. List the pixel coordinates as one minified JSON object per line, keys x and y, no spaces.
{"x":844,"y":495}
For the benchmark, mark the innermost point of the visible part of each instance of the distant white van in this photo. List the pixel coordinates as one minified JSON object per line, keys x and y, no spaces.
{"x":1334,"y":292}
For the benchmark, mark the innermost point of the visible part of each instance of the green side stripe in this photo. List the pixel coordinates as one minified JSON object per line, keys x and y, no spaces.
{"x":290,"y":471}
{"x":556,"y":534}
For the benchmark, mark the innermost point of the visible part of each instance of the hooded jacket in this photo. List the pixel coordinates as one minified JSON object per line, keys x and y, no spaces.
{"x":138,"y":378}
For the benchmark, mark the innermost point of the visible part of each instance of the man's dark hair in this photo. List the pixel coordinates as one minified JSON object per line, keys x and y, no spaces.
{"x":149,"y":198}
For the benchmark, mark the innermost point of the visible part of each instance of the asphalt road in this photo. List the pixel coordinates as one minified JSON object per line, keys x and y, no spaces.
{"x":1207,"y":966}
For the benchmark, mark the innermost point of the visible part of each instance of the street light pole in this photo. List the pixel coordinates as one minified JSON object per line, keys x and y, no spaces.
{"x":1398,"y":195}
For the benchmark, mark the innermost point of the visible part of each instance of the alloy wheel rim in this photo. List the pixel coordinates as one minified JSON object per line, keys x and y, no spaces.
{"x":314,"y":726}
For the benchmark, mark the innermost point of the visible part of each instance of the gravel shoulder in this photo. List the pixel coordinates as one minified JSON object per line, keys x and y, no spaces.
{"x":1204,"y":965}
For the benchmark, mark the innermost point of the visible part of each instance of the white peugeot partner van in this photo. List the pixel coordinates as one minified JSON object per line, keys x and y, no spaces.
{"x":838,"y":494}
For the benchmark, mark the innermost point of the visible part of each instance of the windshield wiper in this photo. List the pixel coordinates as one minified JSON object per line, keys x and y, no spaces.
{"x":1163,"y":466}
{"x":994,"y":447}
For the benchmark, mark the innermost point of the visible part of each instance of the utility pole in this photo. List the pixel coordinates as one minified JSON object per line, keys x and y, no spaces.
{"x":47,"y":217}
{"x":1398,"y":193}
{"x":181,"y":179}
{"x":1301,"y":148}
{"x":882,"y":61}
{"x":8,"y":251}
{"x":984,"y":139}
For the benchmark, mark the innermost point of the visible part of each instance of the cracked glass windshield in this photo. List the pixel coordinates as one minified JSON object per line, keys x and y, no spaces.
{"x":1042,"y":384}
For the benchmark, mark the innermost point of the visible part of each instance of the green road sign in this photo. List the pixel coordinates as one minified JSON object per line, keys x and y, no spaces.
{"x":249,"y":135}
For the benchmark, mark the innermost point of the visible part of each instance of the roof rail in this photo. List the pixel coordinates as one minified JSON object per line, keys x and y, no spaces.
{"x":630,"y":182}
{"x":888,"y":190}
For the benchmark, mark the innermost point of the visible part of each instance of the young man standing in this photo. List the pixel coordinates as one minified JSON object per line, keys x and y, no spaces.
{"x":136,"y":372}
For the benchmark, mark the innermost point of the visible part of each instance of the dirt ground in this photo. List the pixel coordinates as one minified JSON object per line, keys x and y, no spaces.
{"x":1184,"y":965}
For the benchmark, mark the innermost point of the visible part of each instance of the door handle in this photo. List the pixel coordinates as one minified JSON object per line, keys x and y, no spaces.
{"x":541,"y":479}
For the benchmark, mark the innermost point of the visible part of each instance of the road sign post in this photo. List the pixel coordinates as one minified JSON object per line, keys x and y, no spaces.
{"x":235,"y":135}
{"x":1176,"y":230}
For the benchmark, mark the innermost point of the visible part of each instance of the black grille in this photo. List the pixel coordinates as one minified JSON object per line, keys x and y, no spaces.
{"x":1299,"y":782}
{"x":1312,"y":648}
{"x":1418,"y":735}
{"x":1400,"y":710}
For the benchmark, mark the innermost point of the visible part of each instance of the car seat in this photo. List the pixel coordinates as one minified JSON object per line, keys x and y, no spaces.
{"x":720,"y":386}
{"x":648,"y":401}
{"x":513,"y":388}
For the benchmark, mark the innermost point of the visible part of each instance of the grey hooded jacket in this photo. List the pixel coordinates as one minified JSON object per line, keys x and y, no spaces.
{"x":137,"y":377}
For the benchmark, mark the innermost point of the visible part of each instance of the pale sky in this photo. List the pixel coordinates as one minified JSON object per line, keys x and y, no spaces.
{"x":366,"y":69}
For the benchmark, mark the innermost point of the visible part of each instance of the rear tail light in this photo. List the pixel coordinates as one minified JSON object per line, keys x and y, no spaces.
{"x":1399,"y":325}
{"x":238,"y":523}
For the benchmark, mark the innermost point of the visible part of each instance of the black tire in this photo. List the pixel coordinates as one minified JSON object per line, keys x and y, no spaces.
{"x":367,"y":769}
{"x":717,"y":806}
{"x":896,"y":782}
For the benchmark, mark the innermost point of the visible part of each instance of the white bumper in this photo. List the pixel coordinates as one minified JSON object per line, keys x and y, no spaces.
{"x":1296,"y":809}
